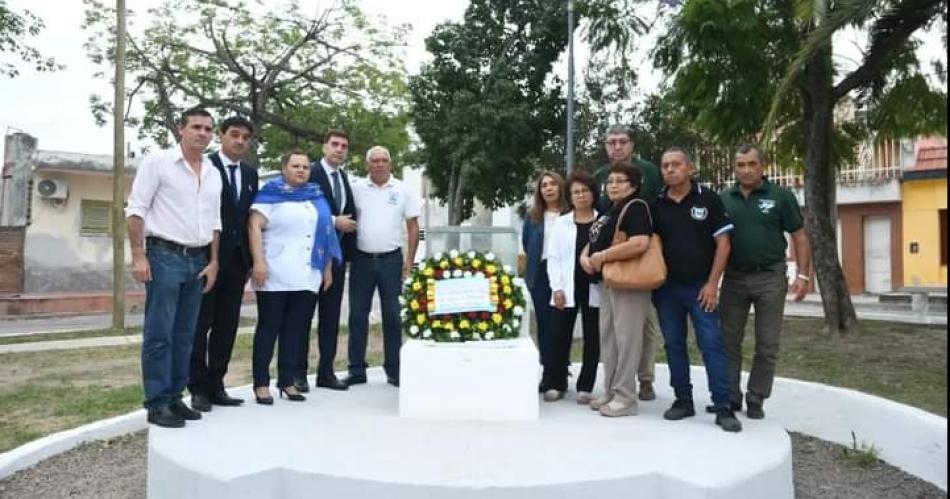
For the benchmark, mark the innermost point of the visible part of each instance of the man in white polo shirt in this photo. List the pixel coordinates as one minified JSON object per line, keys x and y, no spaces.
{"x":174,"y":216}
{"x":383,"y":205}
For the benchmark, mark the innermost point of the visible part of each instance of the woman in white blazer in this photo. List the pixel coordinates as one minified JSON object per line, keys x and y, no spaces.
{"x":573,"y":290}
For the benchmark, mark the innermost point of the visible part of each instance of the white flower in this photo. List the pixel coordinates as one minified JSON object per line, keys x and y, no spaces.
{"x":507,"y":328}
{"x":414,"y":331}
{"x":456,"y":273}
{"x":476,"y":336}
{"x":490,"y":257}
{"x":489,"y":335}
{"x":407,"y":282}
{"x":454,"y":254}
{"x":471,"y":254}
{"x":507,"y":269}
{"x":403,"y":314}
{"x":515,"y":323}
{"x":467,"y":273}
{"x":518,"y":281}
{"x":455,"y":335}
{"x":427,"y":334}
{"x":518,"y":311}
{"x":438,"y":256}
{"x":402,"y":301}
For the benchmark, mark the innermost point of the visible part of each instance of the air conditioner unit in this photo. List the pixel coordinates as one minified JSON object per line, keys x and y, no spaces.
{"x":52,"y":189}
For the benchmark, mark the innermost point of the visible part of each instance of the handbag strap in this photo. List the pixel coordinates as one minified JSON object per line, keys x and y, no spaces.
{"x":624,"y":212}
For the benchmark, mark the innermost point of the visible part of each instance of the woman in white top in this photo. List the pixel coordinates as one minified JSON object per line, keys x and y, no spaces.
{"x":292,"y":244}
{"x":573,"y":291}
{"x":536,"y":237}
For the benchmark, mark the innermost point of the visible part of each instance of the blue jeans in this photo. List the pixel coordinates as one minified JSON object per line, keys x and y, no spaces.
{"x":172,"y":302}
{"x":674,"y":302}
{"x":367,"y":274}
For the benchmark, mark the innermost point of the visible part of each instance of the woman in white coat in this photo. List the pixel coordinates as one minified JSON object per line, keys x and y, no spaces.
{"x":573,"y":290}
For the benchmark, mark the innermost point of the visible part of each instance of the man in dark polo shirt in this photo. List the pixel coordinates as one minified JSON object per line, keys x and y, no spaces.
{"x":619,"y":146}
{"x":756,"y":275}
{"x":695,"y":230}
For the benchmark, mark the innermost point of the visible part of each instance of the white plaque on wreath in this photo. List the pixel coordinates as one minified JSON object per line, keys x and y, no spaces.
{"x":468,"y":294}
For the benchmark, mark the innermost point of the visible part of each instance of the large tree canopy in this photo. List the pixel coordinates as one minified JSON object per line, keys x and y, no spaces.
{"x":15,"y":27}
{"x":292,"y":74}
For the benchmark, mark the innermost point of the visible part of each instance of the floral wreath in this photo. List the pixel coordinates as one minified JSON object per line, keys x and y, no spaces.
{"x":418,"y":296}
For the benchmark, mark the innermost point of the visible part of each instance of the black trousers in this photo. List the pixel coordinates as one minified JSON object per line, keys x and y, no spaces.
{"x":555,"y":372}
{"x":328,"y":327}
{"x":282,"y":316}
{"x":216,"y":329}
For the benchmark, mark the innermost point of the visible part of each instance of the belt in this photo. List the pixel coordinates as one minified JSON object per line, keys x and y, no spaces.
{"x":378,"y":255}
{"x":758,"y":268}
{"x":177,"y":248}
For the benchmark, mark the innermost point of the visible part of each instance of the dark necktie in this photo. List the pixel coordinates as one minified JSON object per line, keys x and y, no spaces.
{"x":235,"y":193}
{"x":337,"y":191}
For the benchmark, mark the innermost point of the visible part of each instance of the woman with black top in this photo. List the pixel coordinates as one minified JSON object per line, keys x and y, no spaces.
{"x":622,"y":312}
{"x":573,"y":290}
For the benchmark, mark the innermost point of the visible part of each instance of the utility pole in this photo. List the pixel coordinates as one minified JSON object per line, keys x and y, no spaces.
{"x":118,"y":175}
{"x":570,"y":86}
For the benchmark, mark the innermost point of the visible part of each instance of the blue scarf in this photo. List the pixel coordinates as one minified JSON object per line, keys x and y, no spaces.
{"x":325,"y":238}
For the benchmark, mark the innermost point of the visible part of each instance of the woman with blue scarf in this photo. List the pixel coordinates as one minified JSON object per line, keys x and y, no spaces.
{"x":292,"y":243}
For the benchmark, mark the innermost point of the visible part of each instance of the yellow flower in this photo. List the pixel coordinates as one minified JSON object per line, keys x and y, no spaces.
{"x":416,"y":286}
{"x":505,"y":280}
{"x":476,"y":263}
{"x":464,"y":324}
{"x":428,"y":272}
{"x":421,"y":319}
{"x":444,"y":264}
{"x":458,"y":261}
{"x":497,"y":318}
{"x":507,"y":290}
{"x":449,"y":326}
{"x":436,"y":324}
{"x":508,"y":304}
{"x":414,"y":305}
{"x":483,"y":326}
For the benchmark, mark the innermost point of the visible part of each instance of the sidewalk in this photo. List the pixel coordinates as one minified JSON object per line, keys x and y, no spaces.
{"x":867,"y":308}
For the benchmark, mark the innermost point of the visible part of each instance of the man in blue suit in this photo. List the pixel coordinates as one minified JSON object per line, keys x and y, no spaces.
{"x":333,"y":181}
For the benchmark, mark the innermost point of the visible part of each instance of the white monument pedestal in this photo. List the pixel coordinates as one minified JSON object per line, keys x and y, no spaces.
{"x":354,"y":444}
{"x":474,"y":381}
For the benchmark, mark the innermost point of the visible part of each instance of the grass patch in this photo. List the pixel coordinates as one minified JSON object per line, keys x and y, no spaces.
{"x":89,"y":333}
{"x":46,"y":392}
{"x":863,"y":455}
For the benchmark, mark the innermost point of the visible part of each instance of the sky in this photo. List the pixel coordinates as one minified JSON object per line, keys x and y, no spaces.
{"x":54,"y":107}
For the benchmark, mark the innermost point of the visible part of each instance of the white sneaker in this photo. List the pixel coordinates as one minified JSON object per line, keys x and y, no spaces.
{"x":596,"y":404}
{"x":553,"y":395}
{"x":616,"y":408}
{"x":584,"y":398}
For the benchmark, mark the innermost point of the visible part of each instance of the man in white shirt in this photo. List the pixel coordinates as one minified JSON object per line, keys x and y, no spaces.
{"x":174,"y":220}
{"x":383,"y":205}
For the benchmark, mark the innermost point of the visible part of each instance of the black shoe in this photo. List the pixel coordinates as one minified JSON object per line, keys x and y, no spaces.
{"x":682,"y":408}
{"x":354,"y":379}
{"x":200,"y":402}
{"x":296,"y":397}
{"x":754,"y":407}
{"x":302,"y":385}
{"x":164,"y":417}
{"x":393,"y":381}
{"x":268,"y":400}
{"x":222,"y":398}
{"x":727,"y":420}
{"x":184,"y":411}
{"x":331,"y":382}
{"x":735,"y":406}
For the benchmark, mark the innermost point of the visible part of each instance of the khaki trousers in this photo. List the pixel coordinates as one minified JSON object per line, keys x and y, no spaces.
{"x":651,"y":336}
{"x":622,"y":317}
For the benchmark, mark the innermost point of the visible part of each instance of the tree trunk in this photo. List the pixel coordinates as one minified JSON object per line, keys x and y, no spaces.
{"x":820,"y":183}
{"x":455,"y":200}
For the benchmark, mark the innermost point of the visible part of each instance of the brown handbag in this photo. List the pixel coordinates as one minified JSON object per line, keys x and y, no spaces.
{"x":643,"y":273}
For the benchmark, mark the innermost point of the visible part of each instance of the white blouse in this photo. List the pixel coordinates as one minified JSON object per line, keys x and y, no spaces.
{"x":288,"y":241}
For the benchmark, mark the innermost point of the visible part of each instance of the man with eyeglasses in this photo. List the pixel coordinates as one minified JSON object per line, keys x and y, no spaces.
{"x":619,"y":146}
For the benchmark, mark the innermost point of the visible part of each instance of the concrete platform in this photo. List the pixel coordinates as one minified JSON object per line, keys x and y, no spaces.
{"x":354,"y":444}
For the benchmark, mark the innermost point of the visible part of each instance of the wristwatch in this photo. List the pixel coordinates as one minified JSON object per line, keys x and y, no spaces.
{"x":803,"y":277}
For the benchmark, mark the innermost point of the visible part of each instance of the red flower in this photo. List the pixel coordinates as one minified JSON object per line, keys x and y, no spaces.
{"x":486,"y":316}
{"x":472,"y":315}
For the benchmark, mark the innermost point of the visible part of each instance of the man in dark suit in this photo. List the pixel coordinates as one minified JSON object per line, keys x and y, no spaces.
{"x":329,"y":175}
{"x":221,"y":307}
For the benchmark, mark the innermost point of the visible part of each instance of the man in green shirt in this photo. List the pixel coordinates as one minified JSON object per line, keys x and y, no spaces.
{"x":762,"y":213}
{"x":620,"y":150}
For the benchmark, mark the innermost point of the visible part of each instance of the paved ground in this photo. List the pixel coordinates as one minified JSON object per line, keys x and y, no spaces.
{"x":116,"y":469}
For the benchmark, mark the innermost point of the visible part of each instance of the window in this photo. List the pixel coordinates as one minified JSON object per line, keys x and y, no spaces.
{"x":943,"y":237}
{"x":95,"y":218}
